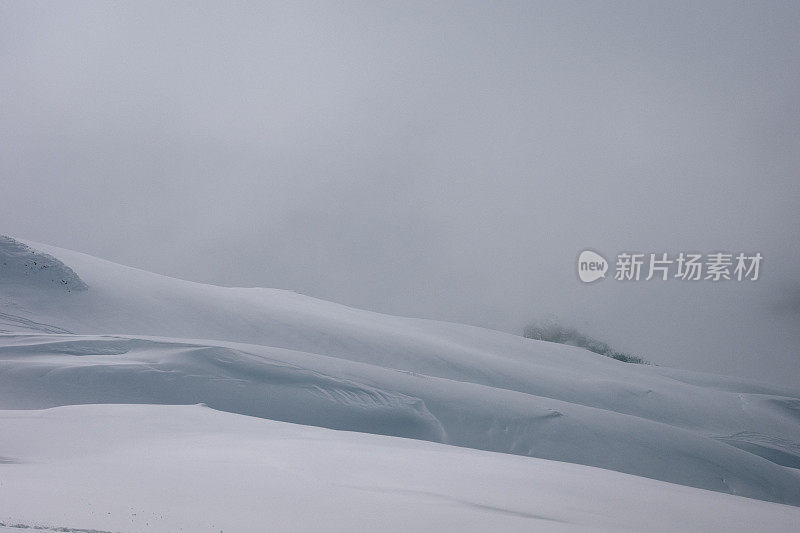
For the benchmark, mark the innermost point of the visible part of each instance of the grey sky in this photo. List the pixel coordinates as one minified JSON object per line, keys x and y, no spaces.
{"x":442,"y":159}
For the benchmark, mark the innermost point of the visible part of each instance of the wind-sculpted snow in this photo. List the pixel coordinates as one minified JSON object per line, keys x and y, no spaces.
{"x":42,"y":372}
{"x":39,"y":371}
{"x":138,"y":337}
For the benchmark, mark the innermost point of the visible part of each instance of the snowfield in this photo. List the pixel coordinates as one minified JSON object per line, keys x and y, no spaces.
{"x":190,"y":468}
{"x":424,"y":403}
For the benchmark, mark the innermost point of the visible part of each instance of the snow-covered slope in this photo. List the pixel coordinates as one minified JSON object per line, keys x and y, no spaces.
{"x":22,"y":265}
{"x":190,"y":468}
{"x":138,"y":337}
{"x":38,"y":371}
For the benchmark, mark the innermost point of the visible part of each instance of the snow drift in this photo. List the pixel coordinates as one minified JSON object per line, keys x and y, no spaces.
{"x":136,"y":337}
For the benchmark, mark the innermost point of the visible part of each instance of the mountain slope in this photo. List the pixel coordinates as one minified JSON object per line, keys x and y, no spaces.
{"x":137,"y":337}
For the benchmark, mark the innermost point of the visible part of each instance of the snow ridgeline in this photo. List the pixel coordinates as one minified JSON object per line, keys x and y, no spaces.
{"x":279,"y":355}
{"x":22,"y":265}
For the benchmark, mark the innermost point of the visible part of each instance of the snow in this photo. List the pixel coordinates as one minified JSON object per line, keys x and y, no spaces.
{"x":23,"y":265}
{"x":190,"y":468}
{"x":119,"y":335}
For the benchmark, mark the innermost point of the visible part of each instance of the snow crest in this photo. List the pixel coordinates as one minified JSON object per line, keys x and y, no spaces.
{"x":22,"y":265}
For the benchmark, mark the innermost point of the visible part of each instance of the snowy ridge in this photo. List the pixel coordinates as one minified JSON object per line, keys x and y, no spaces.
{"x":23,"y":265}
{"x":133,"y":337}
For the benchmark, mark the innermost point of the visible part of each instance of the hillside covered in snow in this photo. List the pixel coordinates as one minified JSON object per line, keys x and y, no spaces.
{"x":81,"y":339}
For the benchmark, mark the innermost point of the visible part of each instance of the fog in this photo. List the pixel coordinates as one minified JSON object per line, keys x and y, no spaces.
{"x":444,"y":160}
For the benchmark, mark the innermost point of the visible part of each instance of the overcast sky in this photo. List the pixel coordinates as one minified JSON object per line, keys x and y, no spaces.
{"x":443,"y":159}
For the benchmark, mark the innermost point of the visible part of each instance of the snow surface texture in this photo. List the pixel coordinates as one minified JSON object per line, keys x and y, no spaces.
{"x":190,"y":468}
{"x":134,"y":337}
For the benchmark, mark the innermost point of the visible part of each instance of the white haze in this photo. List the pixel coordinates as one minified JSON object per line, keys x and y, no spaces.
{"x":444,"y":160}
